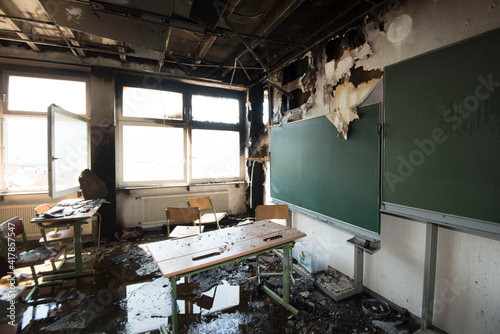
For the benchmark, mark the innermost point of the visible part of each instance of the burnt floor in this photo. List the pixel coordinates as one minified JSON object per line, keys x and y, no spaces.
{"x":128,"y":295}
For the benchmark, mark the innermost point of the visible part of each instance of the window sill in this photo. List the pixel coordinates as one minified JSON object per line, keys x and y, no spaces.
{"x":235,"y":183}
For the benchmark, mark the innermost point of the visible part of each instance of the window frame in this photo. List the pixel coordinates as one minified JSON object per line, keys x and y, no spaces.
{"x":56,"y":191}
{"x":187,"y":123}
{"x":33,"y":72}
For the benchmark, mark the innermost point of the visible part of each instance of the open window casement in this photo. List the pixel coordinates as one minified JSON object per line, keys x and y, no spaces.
{"x":68,"y":150}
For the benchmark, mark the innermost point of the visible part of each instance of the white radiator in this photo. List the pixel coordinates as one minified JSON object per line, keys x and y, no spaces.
{"x":25,"y":212}
{"x":153,"y":207}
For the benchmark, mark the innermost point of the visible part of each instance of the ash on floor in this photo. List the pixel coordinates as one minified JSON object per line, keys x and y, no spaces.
{"x":128,"y":295}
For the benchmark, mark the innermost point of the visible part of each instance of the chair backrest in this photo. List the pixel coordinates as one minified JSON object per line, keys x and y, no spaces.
{"x":183,"y":214}
{"x":264,"y":212}
{"x":42,"y":209}
{"x":10,"y":229}
{"x":201,"y":202}
{"x":13,"y":225}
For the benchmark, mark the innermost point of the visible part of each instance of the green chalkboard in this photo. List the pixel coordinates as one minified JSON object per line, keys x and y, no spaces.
{"x":442,"y":131}
{"x":312,"y":169}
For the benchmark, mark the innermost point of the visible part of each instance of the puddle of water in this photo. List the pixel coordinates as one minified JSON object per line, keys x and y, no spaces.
{"x":148,"y":305}
{"x":36,"y":312}
{"x":224,"y":297}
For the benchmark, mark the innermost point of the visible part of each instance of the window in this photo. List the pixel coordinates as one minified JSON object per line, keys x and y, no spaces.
{"x":216,"y":154}
{"x":149,"y":103}
{"x":150,"y":153}
{"x":24,"y":153}
{"x":68,"y":150}
{"x":178,"y":136}
{"x":215,"y":109}
{"x":37,"y":94}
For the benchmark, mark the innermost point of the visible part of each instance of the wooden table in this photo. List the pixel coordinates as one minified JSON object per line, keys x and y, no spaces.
{"x":187,"y":256}
{"x":75,"y":221}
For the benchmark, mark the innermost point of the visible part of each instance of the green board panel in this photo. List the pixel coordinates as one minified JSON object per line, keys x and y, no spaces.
{"x":442,"y":131}
{"x":311,"y":168}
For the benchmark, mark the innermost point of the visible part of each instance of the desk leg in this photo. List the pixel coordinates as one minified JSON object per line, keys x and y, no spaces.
{"x":286,"y":273}
{"x":77,"y":271}
{"x":78,"y":248}
{"x":285,"y":300}
{"x":173,"y":293}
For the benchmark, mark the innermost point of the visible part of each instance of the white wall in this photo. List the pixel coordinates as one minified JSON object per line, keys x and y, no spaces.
{"x":467,"y":294}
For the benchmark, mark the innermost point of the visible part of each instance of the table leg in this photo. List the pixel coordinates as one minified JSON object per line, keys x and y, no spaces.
{"x":285,"y":300}
{"x":286,"y":273}
{"x":77,"y":271}
{"x":173,"y":293}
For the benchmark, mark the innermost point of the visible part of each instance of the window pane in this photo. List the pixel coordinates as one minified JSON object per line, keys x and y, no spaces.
{"x":70,"y":150}
{"x":25,"y":141}
{"x":37,"y":94}
{"x":153,"y":153}
{"x":215,"y":109}
{"x":151,"y":103}
{"x":216,"y":154}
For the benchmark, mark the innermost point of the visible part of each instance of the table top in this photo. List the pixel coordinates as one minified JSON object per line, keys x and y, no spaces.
{"x":67,"y":213}
{"x":181,"y":256}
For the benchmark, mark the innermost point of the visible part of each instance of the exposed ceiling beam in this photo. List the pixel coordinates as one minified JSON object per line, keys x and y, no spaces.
{"x":249,"y":48}
{"x":70,"y":35}
{"x":205,"y":46}
{"x":161,"y":61}
{"x":121,"y":50}
{"x":181,"y":65}
{"x":72,"y":48}
{"x":47,"y":43}
{"x":17,"y":28}
{"x":273,"y":18}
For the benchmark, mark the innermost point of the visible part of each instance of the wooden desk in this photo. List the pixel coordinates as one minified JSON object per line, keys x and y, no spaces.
{"x":187,"y":256}
{"x":75,"y":221}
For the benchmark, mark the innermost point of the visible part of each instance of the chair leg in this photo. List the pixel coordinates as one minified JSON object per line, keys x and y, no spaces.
{"x":35,"y":284}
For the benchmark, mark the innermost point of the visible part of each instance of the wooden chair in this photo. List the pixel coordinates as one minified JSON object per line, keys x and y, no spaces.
{"x":205,"y":204}
{"x":270,"y":212}
{"x":180,"y":216}
{"x":9,"y":230}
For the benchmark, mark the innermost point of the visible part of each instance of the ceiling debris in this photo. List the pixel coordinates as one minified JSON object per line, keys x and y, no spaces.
{"x":347,"y":83}
{"x":307,"y":83}
{"x":343,"y":108}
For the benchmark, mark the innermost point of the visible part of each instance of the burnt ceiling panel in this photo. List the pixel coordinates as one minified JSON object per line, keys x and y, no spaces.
{"x":233,"y":41}
{"x":158,"y":7}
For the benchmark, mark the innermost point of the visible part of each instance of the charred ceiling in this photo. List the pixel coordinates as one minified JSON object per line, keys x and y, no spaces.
{"x":234,"y":41}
